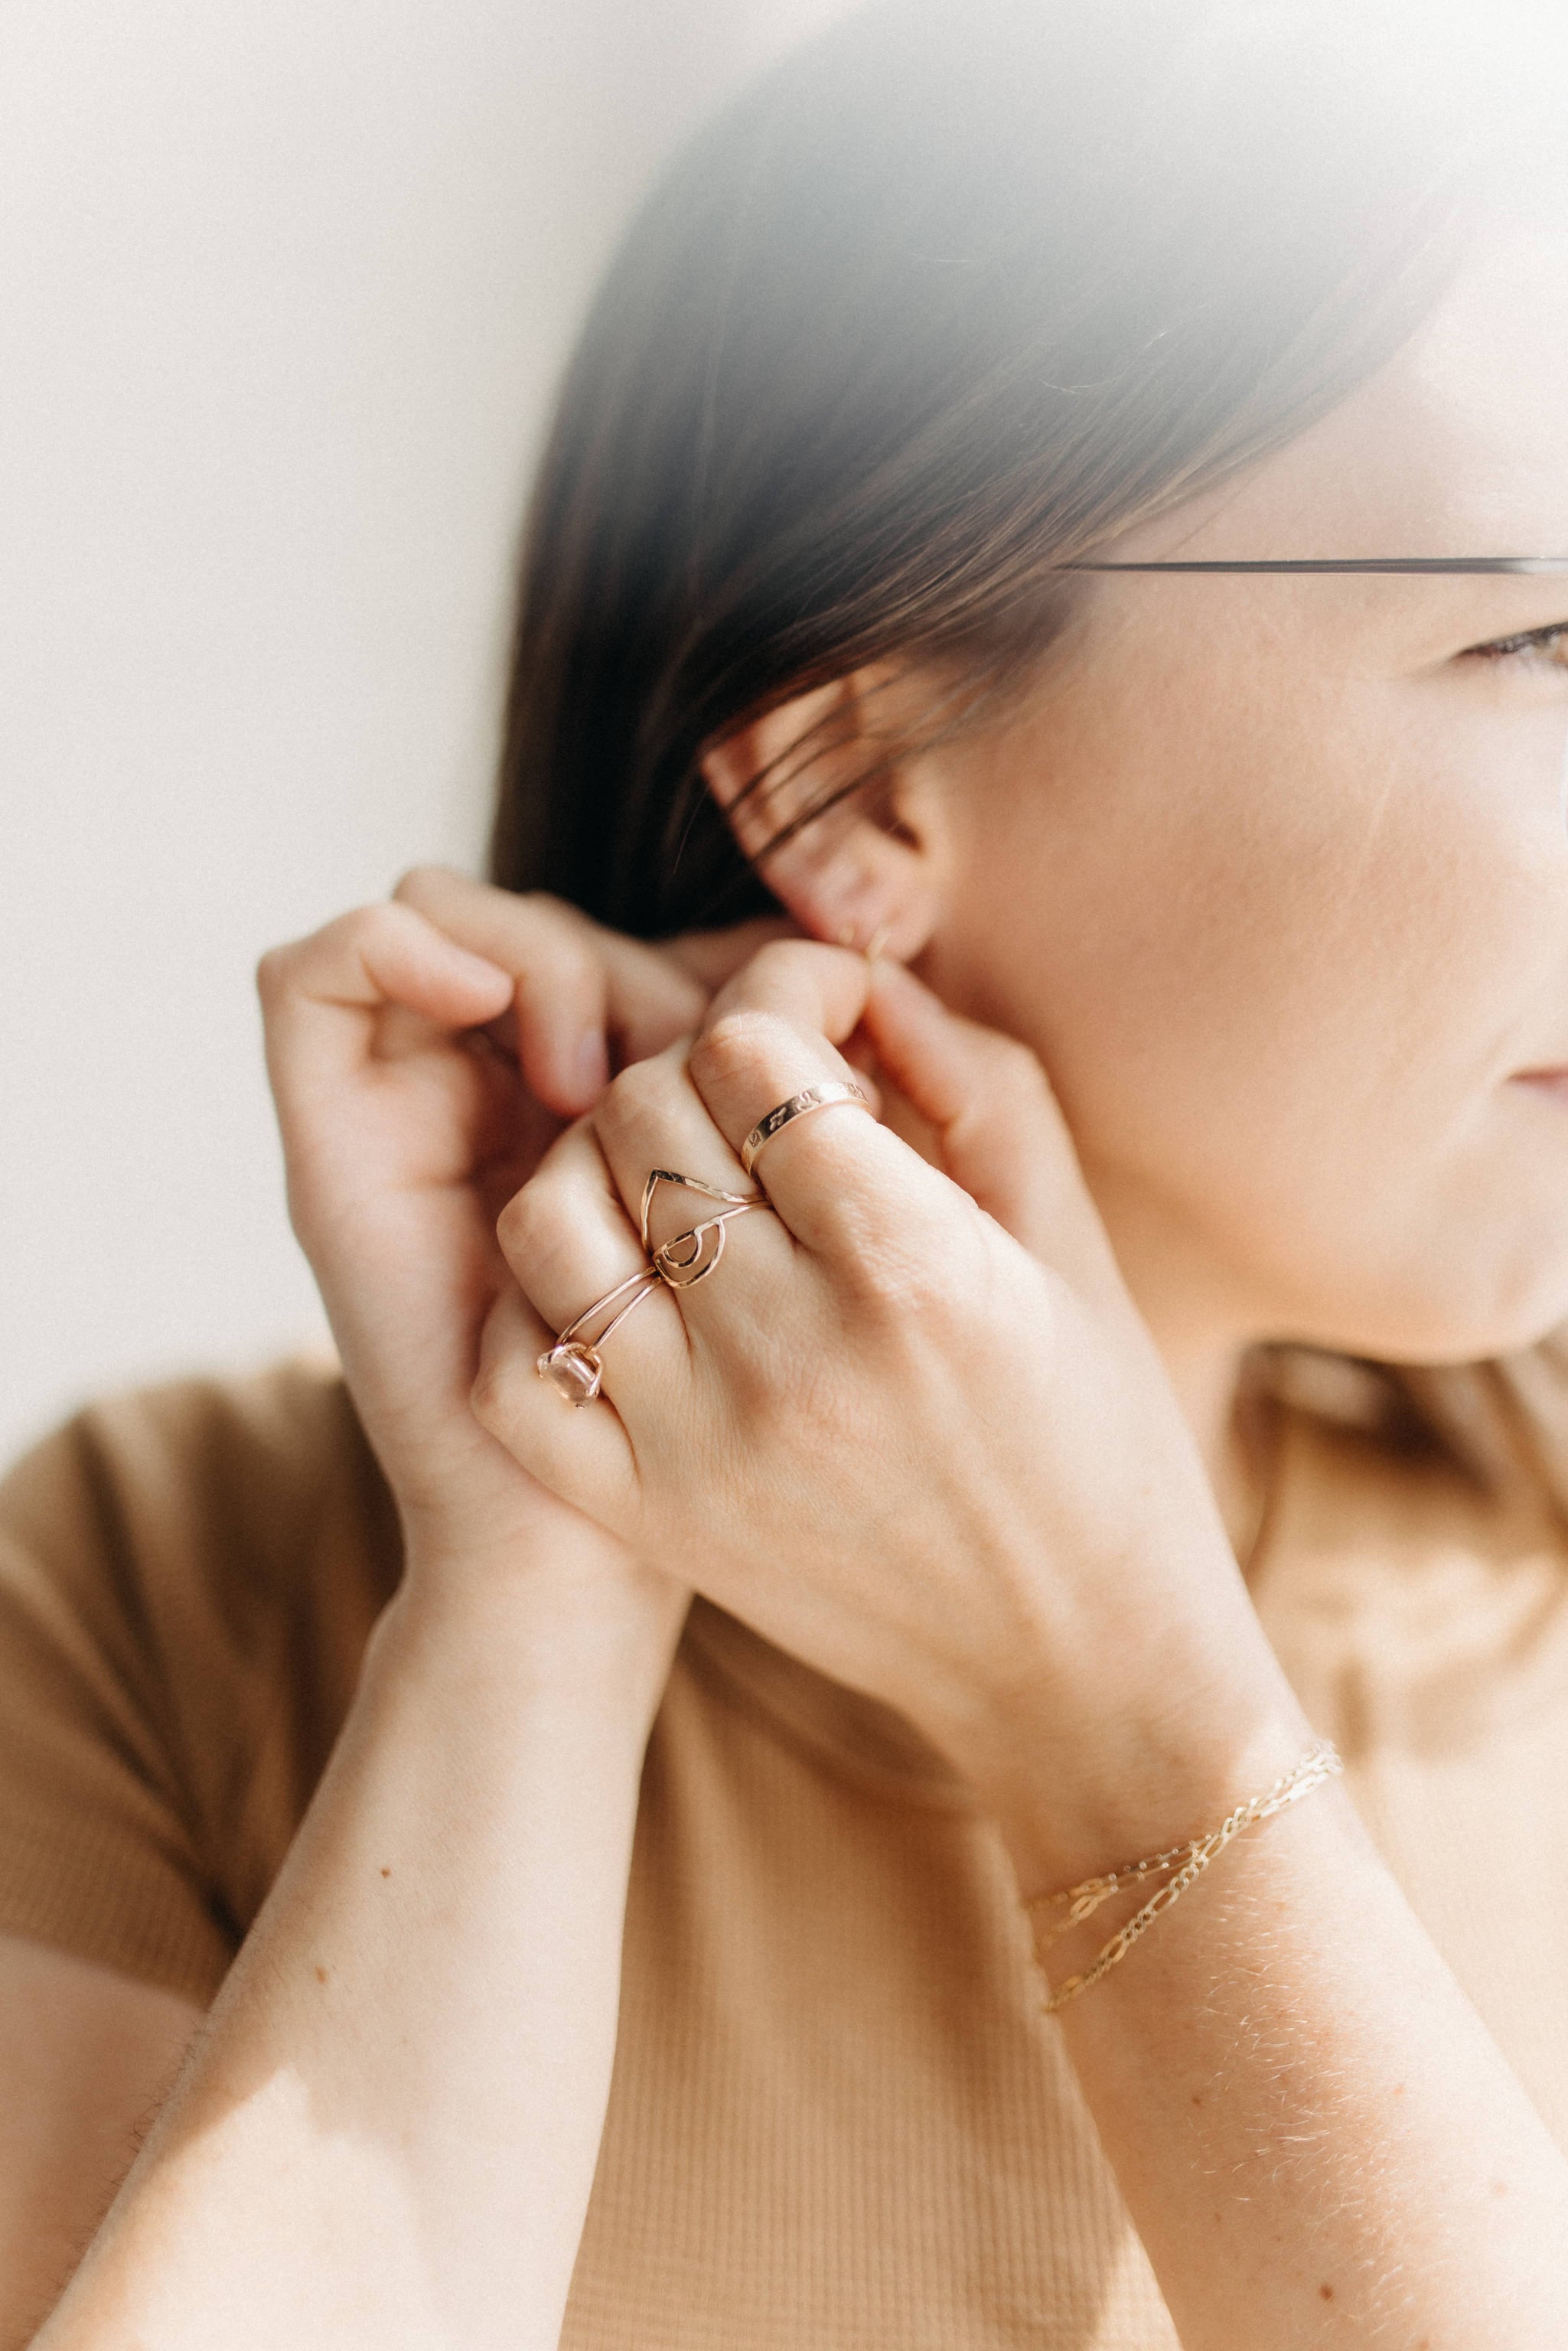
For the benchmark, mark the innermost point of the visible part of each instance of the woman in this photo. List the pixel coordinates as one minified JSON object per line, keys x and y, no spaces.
{"x":1025,"y":1443}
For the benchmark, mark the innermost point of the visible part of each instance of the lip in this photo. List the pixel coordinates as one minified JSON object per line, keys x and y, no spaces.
{"x":1547,"y":1082}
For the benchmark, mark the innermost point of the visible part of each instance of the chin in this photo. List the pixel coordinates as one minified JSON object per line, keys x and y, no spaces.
{"x":1460,"y":1262}
{"x":1462,"y":1312}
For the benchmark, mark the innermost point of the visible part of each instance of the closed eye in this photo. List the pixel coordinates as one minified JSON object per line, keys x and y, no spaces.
{"x":1549,"y":644}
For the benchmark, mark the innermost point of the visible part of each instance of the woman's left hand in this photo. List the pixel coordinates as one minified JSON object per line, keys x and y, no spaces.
{"x":913,"y":1428}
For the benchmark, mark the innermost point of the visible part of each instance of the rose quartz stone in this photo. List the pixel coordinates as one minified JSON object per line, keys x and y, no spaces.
{"x":574,"y":1370}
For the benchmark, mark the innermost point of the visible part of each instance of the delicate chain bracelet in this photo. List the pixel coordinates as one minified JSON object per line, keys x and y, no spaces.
{"x":1188,"y":1862}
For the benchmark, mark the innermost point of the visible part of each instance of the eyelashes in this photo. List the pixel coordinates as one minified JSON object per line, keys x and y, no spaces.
{"x":1550,"y":643}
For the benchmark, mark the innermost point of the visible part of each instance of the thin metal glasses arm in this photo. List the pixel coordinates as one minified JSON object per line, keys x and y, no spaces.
{"x":1413,"y":564}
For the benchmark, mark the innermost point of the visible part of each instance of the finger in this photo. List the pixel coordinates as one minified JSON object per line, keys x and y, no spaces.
{"x":322,"y":996}
{"x":817,"y":989}
{"x":714,"y":957}
{"x":568,"y":1244}
{"x":583,"y":1456}
{"x":652,"y":1118}
{"x":822,"y":989}
{"x":774,"y":1032}
{"x":999,"y":1128}
{"x":584,"y":995}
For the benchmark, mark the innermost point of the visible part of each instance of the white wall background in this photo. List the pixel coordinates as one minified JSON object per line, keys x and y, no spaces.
{"x":283,"y":291}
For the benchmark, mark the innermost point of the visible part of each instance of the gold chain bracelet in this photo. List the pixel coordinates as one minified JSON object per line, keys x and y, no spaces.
{"x":1187,"y":1862}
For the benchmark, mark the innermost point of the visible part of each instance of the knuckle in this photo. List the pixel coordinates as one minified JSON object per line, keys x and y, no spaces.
{"x":561,"y":960}
{"x":537,"y":910}
{"x":538,"y":1242}
{"x":520,"y":1227}
{"x":489,"y":1396}
{"x":377,"y":921}
{"x":916,"y":1273}
{"x":540,"y":917}
{"x":900,"y":1283}
{"x":545,"y":907}
{"x":636,"y":1092}
{"x":272,"y":974}
{"x":363,"y":928}
{"x":736,"y":1049}
{"x":420,"y":881}
{"x":784,"y":964}
{"x":1019,"y":1063}
{"x":1013,"y":1066}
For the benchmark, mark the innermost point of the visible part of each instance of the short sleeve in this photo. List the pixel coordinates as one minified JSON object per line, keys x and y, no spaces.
{"x":188,"y":1576}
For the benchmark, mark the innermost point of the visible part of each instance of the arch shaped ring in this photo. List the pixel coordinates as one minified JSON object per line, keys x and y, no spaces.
{"x":573,"y":1365}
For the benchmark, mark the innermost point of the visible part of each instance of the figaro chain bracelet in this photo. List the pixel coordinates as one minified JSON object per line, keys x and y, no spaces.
{"x":1188,"y":1862}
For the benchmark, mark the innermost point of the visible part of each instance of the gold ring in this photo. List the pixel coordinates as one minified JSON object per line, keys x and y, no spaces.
{"x":739,"y":1203}
{"x":574,"y":1363}
{"x":822,"y":1097}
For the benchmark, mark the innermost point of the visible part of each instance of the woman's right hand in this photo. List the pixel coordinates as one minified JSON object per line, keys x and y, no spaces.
{"x":417,"y":1082}
{"x":981,"y":1503}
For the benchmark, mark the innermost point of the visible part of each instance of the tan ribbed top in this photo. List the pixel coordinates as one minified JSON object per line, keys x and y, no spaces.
{"x":838,"y":2120}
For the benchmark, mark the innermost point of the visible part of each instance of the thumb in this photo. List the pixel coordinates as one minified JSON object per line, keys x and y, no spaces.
{"x":998,"y":1126}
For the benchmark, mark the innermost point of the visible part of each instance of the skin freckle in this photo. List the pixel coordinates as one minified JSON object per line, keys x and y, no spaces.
{"x":320,"y":1975}
{"x":386,"y":1872}
{"x":1326,"y":2294}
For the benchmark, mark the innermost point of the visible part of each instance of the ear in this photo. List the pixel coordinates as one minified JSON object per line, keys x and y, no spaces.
{"x":869,"y":866}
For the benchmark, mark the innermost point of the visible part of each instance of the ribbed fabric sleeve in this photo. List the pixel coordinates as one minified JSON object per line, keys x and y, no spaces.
{"x":187,"y":1578}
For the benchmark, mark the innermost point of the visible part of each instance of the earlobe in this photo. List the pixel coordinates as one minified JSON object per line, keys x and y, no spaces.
{"x":823,"y":804}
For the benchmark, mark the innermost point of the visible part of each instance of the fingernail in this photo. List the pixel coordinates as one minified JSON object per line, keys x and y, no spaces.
{"x":592,"y":1065}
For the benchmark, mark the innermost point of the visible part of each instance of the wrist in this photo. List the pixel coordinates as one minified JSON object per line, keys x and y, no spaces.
{"x":1186,"y":1797}
{"x":1075,"y":1797}
{"x":551,"y":1631}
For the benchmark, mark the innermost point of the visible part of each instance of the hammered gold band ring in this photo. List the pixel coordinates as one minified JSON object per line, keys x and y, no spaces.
{"x":574,"y":1364}
{"x":809,"y":1098}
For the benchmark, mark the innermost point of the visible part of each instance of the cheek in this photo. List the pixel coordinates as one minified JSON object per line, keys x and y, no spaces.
{"x":1278,"y":991}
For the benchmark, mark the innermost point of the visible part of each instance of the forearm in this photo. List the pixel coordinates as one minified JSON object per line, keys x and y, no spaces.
{"x":1317,"y":2139}
{"x":387,"y":2133}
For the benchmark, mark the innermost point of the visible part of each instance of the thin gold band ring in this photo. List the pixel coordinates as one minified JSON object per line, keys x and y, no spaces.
{"x":809,"y":1098}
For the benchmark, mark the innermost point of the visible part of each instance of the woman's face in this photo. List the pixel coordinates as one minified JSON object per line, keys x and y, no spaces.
{"x":1274,"y":870}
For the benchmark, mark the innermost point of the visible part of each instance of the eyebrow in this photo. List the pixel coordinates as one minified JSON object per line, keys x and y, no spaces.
{"x":1417,"y":565}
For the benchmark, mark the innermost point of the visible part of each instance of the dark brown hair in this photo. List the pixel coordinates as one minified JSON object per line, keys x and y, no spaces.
{"x":951,"y":296}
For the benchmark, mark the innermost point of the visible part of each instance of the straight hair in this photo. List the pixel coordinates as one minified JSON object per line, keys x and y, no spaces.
{"x":945,"y":302}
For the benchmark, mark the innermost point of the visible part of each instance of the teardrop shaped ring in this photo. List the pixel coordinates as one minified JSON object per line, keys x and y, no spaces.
{"x":737,"y":1204}
{"x":574,"y":1363}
